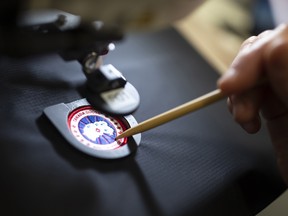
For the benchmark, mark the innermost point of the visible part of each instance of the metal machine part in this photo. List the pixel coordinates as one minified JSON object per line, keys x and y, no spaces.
{"x":108,"y":90}
{"x":39,"y":27}
{"x":127,"y":14}
{"x":63,"y":33}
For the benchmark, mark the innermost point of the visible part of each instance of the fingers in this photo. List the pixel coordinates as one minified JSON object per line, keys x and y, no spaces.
{"x":260,"y":56}
{"x":276,"y":64}
{"x":251,"y":40}
{"x":248,"y":66}
{"x":245,"y":109}
{"x":272,"y":107}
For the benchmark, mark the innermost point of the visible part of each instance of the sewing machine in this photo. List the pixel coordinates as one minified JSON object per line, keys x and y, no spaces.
{"x":41,"y":27}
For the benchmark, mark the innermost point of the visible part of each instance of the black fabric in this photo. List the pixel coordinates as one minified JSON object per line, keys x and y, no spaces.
{"x":200,"y":164}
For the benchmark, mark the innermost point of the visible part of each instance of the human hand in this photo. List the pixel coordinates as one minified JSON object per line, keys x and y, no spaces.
{"x":262,"y":57}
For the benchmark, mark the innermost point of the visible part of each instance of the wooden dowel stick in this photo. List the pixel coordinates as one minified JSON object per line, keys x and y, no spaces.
{"x":174,"y":113}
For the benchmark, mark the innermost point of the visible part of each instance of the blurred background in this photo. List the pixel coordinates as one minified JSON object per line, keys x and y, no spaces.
{"x":230,"y":22}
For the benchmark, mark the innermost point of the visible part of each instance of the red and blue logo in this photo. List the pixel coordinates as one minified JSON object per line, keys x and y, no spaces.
{"x":96,"y":130}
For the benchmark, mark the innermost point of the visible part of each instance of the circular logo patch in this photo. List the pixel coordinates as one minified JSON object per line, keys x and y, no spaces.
{"x":96,"y":130}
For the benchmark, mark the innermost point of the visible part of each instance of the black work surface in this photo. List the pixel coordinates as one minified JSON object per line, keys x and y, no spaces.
{"x":200,"y":164}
